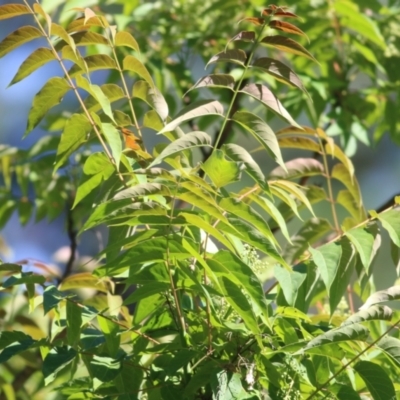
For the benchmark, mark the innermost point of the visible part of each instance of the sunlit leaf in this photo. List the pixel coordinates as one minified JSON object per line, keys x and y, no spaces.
{"x":36,"y":59}
{"x":196,"y":109}
{"x":17,"y":38}
{"x":110,"y":328}
{"x":189,"y":141}
{"x":286,"y":27}
{"x":391,"y":222}
{"x":13,"y":10}
{"x":298,"y":168}
{"x":382,"y":313}
{"x":49,"y":96}
{"x":75,"y":133}
{"x":285,"y":44}
{"x":393,"y":293}
{"x":84,"y":280}
{"x":56,"y":360}
{"x":290,"y":282}
{"x":123,"y":38}
{"x":94,"y":62}
{"x":113,"y":139}
{"x":266,"y":97}
{"x":131,"y":63}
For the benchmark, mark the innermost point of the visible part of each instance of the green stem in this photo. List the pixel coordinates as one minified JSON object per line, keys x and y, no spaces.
{"x":352,"y":360}
{"x":238,"y":85}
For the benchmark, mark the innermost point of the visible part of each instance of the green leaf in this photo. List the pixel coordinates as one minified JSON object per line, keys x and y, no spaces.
{"x":123,"y":38}
{"x":98,"y":94}
{"x":344,"y":392}
{"x":228,"y":386}
{"x":363,"y":240}
{"x":290,"y":281}
{"x":113,"y":93}
{"x":23,"y":278}
{"x":377,"y":381}
{"x":131,"y":63}
{"x":49,"y":96}
{"x":279,"y":71}
{"x":381,"y":313}
{"x":285,"y":44}
{"x":393,"y":293}
{"x":196,"y":109}
{"x":240,"y":154}
{"x":74,"y":322}
{"x":262,"y":132}
{"x":8,"y":267}
{"x":51,"y":297}
{"x":311,"y":231}
{"x":14,"y":343}
{"x":111,"y":333}
{"x":38,"y":58}
{"x":215,"y":80}
{"x":266,"y":97}
{"x":86,"y":38}
{"x":143,"y":189}
{"x":391,"y":222}
{"x":59,"y":31}
{"x":75,"y":133}
{"x":236,"y":56}
{"x":191,"y":140}
{"x":341,"y":334}
{"x":220,"y":170}
{"x":92,"y":63}
{"x":352,"y":17}
{"x":13,"y":10}
{"x":152,"y":96}
{"x":285,"y":331}
{"x":55,"y":361}
{"x":342,"y":173}
{"x":147,"y":290}
{"x":113,"y":138}
{"x":391,"y":347}
{"x":17,"y":38}
{"x":298,"y":168}
{"x":105,"y":369}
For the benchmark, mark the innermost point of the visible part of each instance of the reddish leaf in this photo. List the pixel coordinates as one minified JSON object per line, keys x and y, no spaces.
{"x":254,"y":20}
{"x":278,"y":12}
{"x":285,"y":44}
{"x":246,"y":36}
{"x":286,"y":27}
{"x":215,"y":80}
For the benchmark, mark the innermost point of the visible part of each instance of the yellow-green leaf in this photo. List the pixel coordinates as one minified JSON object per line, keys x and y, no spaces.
{"x":17,"y":38}
{"x":126,"y":39}
{"x":13,"y":10}
{"x":131,"y":63}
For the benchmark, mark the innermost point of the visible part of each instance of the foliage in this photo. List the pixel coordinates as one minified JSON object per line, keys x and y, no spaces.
{"x":198,"y":240}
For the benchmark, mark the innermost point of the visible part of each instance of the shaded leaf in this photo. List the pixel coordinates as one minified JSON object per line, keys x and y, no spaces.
{"x":152,"y":96}
{"x":391,"y":347}
{"x":36,"y":59}
{"x":51,"y":297}
{"x":279,"y":71}
{"x":240,"y":154}
{"x":290,"y":282}
{"x":382,"y":313}
{"x":17,"y":38}
{"x":286,"y":44}
{"x":23,"y":278}
{"x":262,"y":132}
{"x":131,"y":63}
{"x":93,"y":62}
{"x":74,"y":322}
{"x":189,"y":141}
{"x":246,"y":36}
{"x":265,"y":96}
{"x":341,"y":334}
{"x":113,"y":139}
{"x":236,"y":56}
{"x":55,"y":361}
{"x":49,"y":96}
{"x":377,"y":381}
{"x":215,"y":80}
{"x":196,"y":109}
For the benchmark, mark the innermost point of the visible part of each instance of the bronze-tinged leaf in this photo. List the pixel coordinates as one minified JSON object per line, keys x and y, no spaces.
{"x":215,"y":80}
{"x":287,"y":27}
{"x":236,"y":56}
{"x":13,"y":10}
{"x":265,"y":96}
{"x":278,"y":12}
{"x":17,"y":38}
{"x":79,"y":24}
{"x":246,"y":36}
{"x":285,"y":44}
{"x":254,"y":20}
{"x":279,"y":71}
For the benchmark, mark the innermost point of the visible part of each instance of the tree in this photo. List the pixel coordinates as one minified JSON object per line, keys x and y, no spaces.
{"x":198,"y":241}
